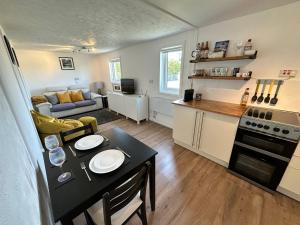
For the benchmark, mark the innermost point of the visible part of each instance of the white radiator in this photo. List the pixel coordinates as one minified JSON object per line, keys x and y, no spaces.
{"x":161,"y":105}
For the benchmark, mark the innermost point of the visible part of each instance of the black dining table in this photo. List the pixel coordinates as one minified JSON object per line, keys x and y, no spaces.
{"x":73,"y":197}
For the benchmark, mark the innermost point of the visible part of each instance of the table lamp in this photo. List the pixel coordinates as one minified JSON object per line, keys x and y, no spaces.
{"x":99,"y":86}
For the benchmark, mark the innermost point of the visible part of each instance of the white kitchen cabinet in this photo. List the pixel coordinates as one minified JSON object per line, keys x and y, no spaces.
{"x":185,"y":125}
{"x":131,"y":106}
{"x":209,"y":134}
{"x":217,"y":135}
{"x":290,"y":182}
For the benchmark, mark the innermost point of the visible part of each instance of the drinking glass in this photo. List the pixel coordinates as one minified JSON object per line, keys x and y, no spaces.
{"x":57,"y":157}
{"x":51,"y":142}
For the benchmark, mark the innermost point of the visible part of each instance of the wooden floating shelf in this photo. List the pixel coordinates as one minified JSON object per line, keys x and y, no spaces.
{"x":219,"y":78}
{"x":226,"y":58}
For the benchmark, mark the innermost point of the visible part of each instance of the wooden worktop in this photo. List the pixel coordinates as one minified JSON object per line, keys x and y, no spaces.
{"x":225,"y":108}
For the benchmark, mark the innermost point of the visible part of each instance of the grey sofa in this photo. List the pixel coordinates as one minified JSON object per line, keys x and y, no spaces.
{"x":68,"y":109}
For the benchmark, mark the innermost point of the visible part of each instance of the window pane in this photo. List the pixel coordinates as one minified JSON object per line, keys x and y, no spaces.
{"x":115,"y":70}
{"x":174,"y":68}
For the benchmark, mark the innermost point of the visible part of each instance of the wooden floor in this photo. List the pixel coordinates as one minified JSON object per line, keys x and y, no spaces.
{"x":191,"y":190}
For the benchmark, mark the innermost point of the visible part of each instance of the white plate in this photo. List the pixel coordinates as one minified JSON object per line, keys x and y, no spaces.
{"x":106,"y":161}
{"x":89,"y":142}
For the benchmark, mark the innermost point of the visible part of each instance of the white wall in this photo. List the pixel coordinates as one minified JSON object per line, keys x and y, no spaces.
{"x":41,"y":69}
{"x":275,"y":35}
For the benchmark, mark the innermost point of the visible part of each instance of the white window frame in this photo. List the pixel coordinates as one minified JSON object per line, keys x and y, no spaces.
{"x":163,"y":70}
{"x":112,"y":72}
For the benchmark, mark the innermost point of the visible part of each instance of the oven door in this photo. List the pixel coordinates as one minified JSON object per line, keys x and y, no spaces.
{"x":264,"y":142}
{"x":257,"y":167}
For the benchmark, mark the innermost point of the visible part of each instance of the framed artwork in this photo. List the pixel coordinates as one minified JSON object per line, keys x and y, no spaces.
{"x":221,"y":46}
{"x":66,"y":63}
{"x":117,"y":87}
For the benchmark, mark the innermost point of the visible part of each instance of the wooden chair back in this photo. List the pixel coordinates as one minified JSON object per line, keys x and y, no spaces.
{"x":88,"y":130}
{"x":118,"y":198}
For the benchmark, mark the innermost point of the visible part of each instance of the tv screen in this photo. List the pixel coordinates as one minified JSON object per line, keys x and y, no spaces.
{"x":127,"y":86}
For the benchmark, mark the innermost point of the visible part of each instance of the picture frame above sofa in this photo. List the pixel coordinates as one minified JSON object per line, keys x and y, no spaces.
{"x":66,"y":63}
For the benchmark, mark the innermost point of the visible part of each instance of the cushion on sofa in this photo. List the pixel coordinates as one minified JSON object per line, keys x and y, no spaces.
{"x":62,"y":107}
{"x":76,"y":96}
{"x":87,"y":95}
{"x":52,"y":98}
{"x":64,"y":97}
{"x":85,"y":103}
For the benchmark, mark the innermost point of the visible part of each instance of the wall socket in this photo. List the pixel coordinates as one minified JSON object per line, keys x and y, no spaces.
{"x":288,"y":73}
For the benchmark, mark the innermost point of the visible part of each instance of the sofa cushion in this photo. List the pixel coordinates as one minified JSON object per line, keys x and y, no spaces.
{"x":87,"y":95}
{"x":52,"y":98}
{"x":76,"y":96}
{"x":64,"y":97}
{"x":62,"y":107}
{"x":85,"y":103}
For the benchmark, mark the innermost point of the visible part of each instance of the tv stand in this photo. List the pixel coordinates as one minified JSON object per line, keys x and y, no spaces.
{"x":131,"y":106}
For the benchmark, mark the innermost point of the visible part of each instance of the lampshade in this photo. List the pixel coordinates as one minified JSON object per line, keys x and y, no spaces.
{"x":99,"y":85}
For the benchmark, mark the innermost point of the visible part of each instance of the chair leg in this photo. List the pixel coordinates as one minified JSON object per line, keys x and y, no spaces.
{"x":143,"y":214}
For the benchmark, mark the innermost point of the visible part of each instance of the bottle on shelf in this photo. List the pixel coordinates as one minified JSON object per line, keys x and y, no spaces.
{"x":248,"y":45}
{"x":206,"y":50}
{"x":202,"y":50}
{"x":245,"y":97}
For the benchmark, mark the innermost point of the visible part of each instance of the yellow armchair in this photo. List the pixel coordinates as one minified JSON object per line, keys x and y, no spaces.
{"x":47,"y":125}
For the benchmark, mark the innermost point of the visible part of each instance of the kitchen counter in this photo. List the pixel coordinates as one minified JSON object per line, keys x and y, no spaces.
{"x":225,"y":108}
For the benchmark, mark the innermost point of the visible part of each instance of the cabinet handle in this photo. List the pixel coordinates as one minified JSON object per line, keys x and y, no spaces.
{"x":193,"y":143}
{"x":200,"y":130}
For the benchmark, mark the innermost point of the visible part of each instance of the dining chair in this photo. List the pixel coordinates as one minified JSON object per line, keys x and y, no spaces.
{"x":121,"y":203}
{"x":85,"y":130}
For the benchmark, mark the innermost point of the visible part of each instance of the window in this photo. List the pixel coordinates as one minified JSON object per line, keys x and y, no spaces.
{"x":170,"y":70}
{"x":115,"y":70}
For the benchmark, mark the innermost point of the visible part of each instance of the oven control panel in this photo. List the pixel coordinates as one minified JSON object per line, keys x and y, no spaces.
{"x":269,"y":127}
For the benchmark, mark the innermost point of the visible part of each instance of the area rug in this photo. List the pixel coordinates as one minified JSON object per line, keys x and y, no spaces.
{"x":102,"y":116}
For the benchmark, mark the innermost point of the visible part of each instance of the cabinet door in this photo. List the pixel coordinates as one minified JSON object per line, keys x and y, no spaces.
{"x":115,"y":102}
{"x":131,"y":107}
{"x":291,"y":178}
{"x":217,"y":135}
{"x":184,"y":125}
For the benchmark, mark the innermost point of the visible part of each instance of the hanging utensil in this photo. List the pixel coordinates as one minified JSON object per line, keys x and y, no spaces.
{"x":274,"y":100}
{"x":267,"y":99}
{"x":261,"y":97}
{"x":254,"y":97}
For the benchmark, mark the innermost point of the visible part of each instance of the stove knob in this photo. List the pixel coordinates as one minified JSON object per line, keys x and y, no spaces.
{"x":276,"y":129}
{"x":268,"y":115}
{"x":285,"y":131}
{"x":266,"y":127}
{"x":250,"y":112}
{"x":253,"y":124}
{"x":262,"y":115}
{"x":248,"y":123}
{"x":255,"y":113}
{"x":260,"y":125}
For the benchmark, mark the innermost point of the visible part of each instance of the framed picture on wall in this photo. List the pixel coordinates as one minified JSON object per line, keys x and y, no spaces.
{"x":66,"y":63}
{"x":116,"y":87}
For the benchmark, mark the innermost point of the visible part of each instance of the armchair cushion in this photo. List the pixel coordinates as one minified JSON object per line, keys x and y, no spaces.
{"x":62,"y":107}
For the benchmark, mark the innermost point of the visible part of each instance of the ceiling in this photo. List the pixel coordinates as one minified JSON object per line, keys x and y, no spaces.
{"x":106,"y":25}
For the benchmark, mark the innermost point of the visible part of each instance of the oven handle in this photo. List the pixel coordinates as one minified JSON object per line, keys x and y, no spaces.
{"x":262,"y":151}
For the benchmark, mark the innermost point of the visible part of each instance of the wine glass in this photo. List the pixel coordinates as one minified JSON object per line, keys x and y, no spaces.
{"x":51,"y":142}
{"x":57,"y":157}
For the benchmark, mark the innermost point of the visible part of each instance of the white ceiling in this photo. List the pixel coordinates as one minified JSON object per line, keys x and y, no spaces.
{"x":205,"y":12}
{"x":111,"y":24}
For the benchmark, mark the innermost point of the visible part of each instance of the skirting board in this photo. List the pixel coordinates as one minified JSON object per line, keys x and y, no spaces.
{"x":161,"y":122}
{"x":212,"y":158}
{"x":288,"y":193}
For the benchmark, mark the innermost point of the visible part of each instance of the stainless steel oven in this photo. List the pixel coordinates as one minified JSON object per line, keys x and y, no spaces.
{"x":259,"y":155}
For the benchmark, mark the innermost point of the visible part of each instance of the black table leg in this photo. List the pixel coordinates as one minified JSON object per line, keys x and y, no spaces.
{"x":152,"y":183}
{"x":67,"y":221}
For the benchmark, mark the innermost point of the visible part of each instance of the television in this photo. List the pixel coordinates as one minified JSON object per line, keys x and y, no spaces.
{"x":127,"y":86}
